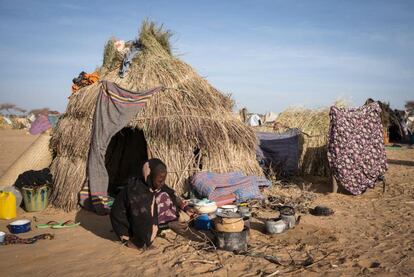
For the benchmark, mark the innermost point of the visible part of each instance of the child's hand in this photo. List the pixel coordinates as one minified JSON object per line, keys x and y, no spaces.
{"x":191,"y":211}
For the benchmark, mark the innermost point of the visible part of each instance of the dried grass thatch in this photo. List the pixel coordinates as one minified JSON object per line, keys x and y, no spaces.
{"x":188,"y":114}
{"x":3,"y":123}
{"x":409,"y":107}
{"x":314,"y":125}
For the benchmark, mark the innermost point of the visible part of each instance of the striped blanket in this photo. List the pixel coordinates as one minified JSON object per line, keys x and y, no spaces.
{"x":115,"y":108}
{"x":217,"y":185}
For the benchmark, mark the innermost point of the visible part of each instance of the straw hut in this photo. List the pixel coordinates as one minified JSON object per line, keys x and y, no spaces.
{"x":3,"y":123}
{"x":189,"y":125}
{"x":392,"y":122}
{"x":314,"y":125}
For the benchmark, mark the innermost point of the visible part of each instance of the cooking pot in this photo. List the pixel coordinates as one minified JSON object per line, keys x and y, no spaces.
{"x":232,"y":241}
{"x":206,"y":207}
{"x":228,"y":225}
{"x":228,"y":208}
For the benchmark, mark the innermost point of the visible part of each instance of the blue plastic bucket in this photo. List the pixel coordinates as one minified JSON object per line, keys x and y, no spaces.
{"x":203,"y":222}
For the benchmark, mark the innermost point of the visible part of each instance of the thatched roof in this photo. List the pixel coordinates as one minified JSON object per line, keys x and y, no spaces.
{"x":188,"y":114}
{"x":314,"y":125}
{"x":391,"y":119}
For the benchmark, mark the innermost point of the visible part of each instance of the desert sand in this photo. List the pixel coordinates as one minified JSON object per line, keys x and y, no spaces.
{"x":371,"y":234}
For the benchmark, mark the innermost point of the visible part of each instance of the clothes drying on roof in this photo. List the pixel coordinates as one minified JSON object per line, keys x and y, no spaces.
{"x":254,"y":120}
{"x":217,"y":185}
{"x":84,"y":79}
{"x":356,"y":150}
{"x":115,"y":108}
{"x":120,"y":46}
{"x":129,"y":55}
{"x":279,"y":151}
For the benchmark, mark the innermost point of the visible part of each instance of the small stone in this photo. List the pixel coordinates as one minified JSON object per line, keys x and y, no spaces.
{"x":375,"y":264}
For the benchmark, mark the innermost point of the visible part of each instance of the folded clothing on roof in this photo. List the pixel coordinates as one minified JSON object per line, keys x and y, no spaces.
{"x":217,"y":185}
{"x":127,"y":61}
{"x":84,"y":79}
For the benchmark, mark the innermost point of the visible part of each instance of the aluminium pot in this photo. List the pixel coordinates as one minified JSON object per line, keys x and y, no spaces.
{"x":236,"y":241}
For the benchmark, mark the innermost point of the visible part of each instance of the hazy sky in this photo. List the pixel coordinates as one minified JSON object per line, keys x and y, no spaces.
{"x":268,"y":54}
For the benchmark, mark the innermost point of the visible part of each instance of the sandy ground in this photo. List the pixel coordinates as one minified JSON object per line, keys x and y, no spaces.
{"x":369,"y":235}
{"x":13,"y":143}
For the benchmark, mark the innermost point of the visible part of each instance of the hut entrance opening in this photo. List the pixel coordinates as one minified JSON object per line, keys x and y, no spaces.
{"x":125,"y":156}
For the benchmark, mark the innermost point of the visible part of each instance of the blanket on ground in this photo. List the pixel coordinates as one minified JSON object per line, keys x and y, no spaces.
{"x":279,"y":151}
{"x":115,"y":108}
{"x":217,"y":185}
{"x":356,"y":151}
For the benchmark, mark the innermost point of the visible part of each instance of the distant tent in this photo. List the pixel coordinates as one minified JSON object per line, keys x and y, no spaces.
{"x":254,"y":120}
{"x":270,"y":117}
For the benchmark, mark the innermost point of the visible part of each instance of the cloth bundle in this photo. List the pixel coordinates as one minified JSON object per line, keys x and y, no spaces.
{"x":84,"y":79}
{"x":217,"y":185}
{"x":356,"y":150}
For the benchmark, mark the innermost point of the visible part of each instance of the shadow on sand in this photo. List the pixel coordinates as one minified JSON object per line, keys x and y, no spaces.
{"x":401,"y":162}
{"x":99,"y":225}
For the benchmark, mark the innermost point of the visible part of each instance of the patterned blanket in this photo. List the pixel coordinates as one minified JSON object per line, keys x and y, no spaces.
{"x":217,"y":185}
{"x":356,"y":151}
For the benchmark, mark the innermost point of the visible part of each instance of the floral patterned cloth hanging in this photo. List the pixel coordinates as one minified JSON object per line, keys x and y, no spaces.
{"x":356,"y":150}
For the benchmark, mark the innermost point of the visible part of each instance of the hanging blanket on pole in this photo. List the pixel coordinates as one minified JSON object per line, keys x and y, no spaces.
{"x":279,"y":151}
{"x":115,"y":108}
{"x":356,"y":150}
{"x":217,"y":185}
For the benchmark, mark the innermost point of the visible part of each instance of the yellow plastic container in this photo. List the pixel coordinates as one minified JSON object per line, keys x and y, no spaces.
{"x":7,"y":205}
